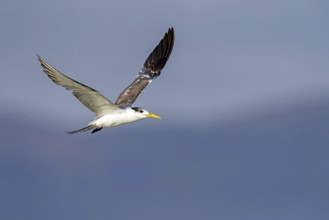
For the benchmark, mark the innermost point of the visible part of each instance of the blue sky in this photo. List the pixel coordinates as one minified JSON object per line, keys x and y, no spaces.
{"x":230,"y":57}
{"x":243,"y":100}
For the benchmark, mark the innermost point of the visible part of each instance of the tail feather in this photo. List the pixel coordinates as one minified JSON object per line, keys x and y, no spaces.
{"x":87,"y":128}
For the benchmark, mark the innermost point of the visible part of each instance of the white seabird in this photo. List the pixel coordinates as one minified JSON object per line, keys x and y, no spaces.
{"x":121,"y":112}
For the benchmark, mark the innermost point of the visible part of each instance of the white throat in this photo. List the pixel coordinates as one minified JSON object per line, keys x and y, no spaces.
{"x":123,"y":116}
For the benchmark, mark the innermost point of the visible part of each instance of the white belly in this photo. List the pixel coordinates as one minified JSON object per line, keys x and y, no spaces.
{"x":115,"y":119}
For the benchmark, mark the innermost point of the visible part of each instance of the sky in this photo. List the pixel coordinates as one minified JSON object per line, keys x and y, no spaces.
{"x":243,"y":100}
{"x":230,"y":57}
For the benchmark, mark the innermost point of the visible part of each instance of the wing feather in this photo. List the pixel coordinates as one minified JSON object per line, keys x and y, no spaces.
{"x":88,"y":96}
{"x":151,"y":70}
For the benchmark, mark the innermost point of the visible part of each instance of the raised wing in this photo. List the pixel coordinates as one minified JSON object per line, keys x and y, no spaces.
{"x":88,"y":96}
{"x":151,"y":70}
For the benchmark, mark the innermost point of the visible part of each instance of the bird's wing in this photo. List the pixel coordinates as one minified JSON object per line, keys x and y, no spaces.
{"x":88,"y":96}
{"x":151,"y":70}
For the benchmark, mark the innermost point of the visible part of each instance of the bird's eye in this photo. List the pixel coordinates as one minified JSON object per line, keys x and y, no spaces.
{"x":141,"y":111}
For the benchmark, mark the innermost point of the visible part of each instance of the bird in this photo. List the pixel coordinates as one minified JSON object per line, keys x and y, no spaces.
{"x":107,"y":113}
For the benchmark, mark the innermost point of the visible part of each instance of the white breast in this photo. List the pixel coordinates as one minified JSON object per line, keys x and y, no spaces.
{"x":119,"y":118}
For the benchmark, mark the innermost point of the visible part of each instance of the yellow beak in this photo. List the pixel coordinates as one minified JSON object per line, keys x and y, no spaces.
{"x":151,"y":115}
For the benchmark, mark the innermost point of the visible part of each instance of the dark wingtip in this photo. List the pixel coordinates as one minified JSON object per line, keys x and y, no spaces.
{"x":42,"y":62}
{"x":39,"y":58}
{"x":161,"y":53}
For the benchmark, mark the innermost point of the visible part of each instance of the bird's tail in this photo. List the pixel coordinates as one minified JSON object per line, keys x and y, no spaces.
{"x":87,"y":128}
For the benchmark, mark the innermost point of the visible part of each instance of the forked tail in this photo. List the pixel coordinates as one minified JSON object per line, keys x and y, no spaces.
{"x":87,"y":128}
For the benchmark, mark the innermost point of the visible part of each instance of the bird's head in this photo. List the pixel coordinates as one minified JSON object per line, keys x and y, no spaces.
{"x":142,"y":113}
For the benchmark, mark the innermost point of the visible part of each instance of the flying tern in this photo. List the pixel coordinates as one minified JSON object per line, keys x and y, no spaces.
{"x":107,"y":113}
